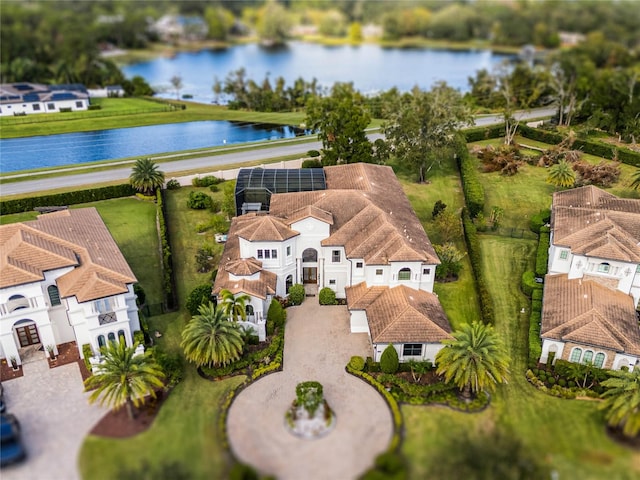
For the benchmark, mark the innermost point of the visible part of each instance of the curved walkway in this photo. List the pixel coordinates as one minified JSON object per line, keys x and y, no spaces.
{"x":318,"y":345}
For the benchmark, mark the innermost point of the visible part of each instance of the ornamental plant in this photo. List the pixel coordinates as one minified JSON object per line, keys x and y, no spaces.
{"x":389,"y":361}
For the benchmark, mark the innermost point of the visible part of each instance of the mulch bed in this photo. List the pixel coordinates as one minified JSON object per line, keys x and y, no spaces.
{"x":67,"y":353}
{"x":616,"y":435}
{"x":7,"y":372}
{"x":117,"y":424}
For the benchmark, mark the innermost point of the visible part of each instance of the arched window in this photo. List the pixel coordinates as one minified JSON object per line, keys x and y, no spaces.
{"x":576,"y":354}
{"x":309,"y":255}
{"x":16,"y":302}
{"x":604,"y":267}
{"x":599,"y":361}
{"x":404,"y":274}
{"x":588,"y":356}
{"x":112,"y":337}
{"x":249,"y":310}
{"x":121,"y":337}
{"x":101,"y":341}
{"x":54,"y":295}
{"x":288,"y":283}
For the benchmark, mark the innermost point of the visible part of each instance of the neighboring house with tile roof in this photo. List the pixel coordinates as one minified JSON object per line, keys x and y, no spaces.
{"x":592,"y":290}
{"x":63,"y":279}
{"x":29,"y":98}
{"x":361,"y":238}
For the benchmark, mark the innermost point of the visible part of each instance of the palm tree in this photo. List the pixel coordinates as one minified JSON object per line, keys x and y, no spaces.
{"x":635,"y":179}
{"x":145,"y":176}
{"x":211,"y":339}
{"x":474,"y":360}
{"x":233,"y":306}
{"x":622,"y":401}
{"x":561,"y":174}
{"x":124,"y":378}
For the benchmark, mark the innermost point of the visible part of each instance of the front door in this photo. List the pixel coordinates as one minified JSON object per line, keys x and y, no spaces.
{"x":309,"y":275}
{"x":28,"y":335}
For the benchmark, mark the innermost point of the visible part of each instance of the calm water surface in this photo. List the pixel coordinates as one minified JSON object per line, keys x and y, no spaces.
{"x":370,"y":67}
{"x":82,"y":147}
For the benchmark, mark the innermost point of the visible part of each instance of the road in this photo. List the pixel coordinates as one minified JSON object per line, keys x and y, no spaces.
{"x":207,"y":163}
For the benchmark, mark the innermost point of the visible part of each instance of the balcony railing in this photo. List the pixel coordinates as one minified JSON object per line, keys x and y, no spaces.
{"x":17,"y":304}
{"x":109,"y":317}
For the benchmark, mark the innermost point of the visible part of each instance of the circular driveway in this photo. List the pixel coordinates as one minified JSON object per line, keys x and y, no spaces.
{"x":318,"y":345}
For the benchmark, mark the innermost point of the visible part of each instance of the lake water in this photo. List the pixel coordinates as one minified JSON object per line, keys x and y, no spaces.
{"x":370,"y":67}
{"x":82,"y":147}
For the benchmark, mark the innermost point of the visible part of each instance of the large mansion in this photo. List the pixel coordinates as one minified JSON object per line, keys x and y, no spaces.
{"x":357,"y":235}
{"x":592,"y":290}
{"x":63,"y":279}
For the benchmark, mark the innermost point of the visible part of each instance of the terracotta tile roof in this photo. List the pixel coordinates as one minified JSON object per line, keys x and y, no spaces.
{"x":310,"y":211}
{"x":586,"y":312}
{"x":243,"y":266}
{"x":70,"y":238}
{"x":595,"y":223}
{"x":372,"y":216}
{"x":400,"y":314}
{"x":263,"y":228}
{"x":265,"y":285}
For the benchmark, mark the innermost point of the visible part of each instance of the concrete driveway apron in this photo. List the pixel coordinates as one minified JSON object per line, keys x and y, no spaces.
{"x":54,"y":416}
{"x":318,"y":345}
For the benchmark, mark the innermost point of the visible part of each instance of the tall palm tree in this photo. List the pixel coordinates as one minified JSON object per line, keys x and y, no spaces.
{"x":124,"y":378}
{"x":145,"y":176}
{"x":561,"y":174}
{"x":211,"y":339}
{"x":233,"y":306}
{"x":474,"y":360}
{"x":622,"y":401}
{"x":635,"y":179}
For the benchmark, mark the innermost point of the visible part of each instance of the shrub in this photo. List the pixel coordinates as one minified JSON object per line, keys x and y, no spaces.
{"x":95,"y":107}
{"x":562,"y":382}
{"x":296,"y":294}
{"x":240,"y":471}
{"x":140,"y":294}
{"x":529,"y":284}
{"x":312,"y":163}
{"x":199,"y":201}
{"x":138,"y":337}
{"x":206,"y":181}
{"x":471,"y":185}
{"x":172,"y":366}
{"x":276,"y":314}
{"x":537,"y":294}
{"x":539,"y":219}
{"x":390,"y":464}
{"x":542,"y":256}
{"x":173,"y":184}
{"x":389,"y":361}
{"x":327,"y":297}
{"x":313,"y":153}
{"x":198,"y":296}
{"x":535,"y":343}
{"x":357,"y":363}
{"x":604,"y":174}
{"x":438,"y":208}
{"x":87,"y":352}
{"x":473,"y":247}
{"x":450,"y":261}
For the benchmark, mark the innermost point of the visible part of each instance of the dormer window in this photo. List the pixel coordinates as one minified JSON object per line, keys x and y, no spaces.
{"x":604,"y":267}
{"x":335,"y":256}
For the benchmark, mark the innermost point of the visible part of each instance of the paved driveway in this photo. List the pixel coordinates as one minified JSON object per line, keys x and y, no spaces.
{"x":55,"y":416}
{"x":318,"y":345}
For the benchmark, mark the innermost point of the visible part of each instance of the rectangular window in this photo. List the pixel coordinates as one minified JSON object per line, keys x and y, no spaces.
{"x":103,"y":305}
{"x":332,"y":282}
{"x":604,"y":268}
{"x":378,"y":271}
{"x":35,"y":107}
{"x":564,"y":254}
{"x":638,"y":269}
{"x":51,"y":106}
{"x":335,"y":256}
{"x":359,"y":265}
{"x":426,"y":271}
{"x":267,"y":254}
{"x":289,"y":251}
{"x":274,"y":253}
{"x":78,"y":104}
{"x":412,"y":350}
{"x":259,"y":253}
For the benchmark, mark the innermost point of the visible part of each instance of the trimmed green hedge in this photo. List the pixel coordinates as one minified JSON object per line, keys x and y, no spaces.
{"x":471,"y":185}
{"x":540,"y":219}
{"x":8,"y":207}
{"x":542,"y":256}
{"x":529,"y":285}
{"x":473,"y":247}
{"x":327,"y":297}
{"x":535,"y":342}
{"x":477,"y":134}
{"x":167,"y":258}
{"x":592,"y":147}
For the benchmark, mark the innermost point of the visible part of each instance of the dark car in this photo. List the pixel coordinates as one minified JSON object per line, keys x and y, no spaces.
{"x":11,"y":448}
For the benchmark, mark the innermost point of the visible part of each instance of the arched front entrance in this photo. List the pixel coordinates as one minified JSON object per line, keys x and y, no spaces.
{"x":27,"y":333}
{"x":310,"y":266}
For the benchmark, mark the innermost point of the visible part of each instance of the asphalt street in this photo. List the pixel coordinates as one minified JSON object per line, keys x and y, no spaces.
{"x":206,"y":163}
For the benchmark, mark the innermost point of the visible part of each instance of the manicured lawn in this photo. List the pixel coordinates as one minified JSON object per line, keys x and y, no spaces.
{"x":149,"y":115}
{"x":568,"y":434}
{"x":185,"y":433}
